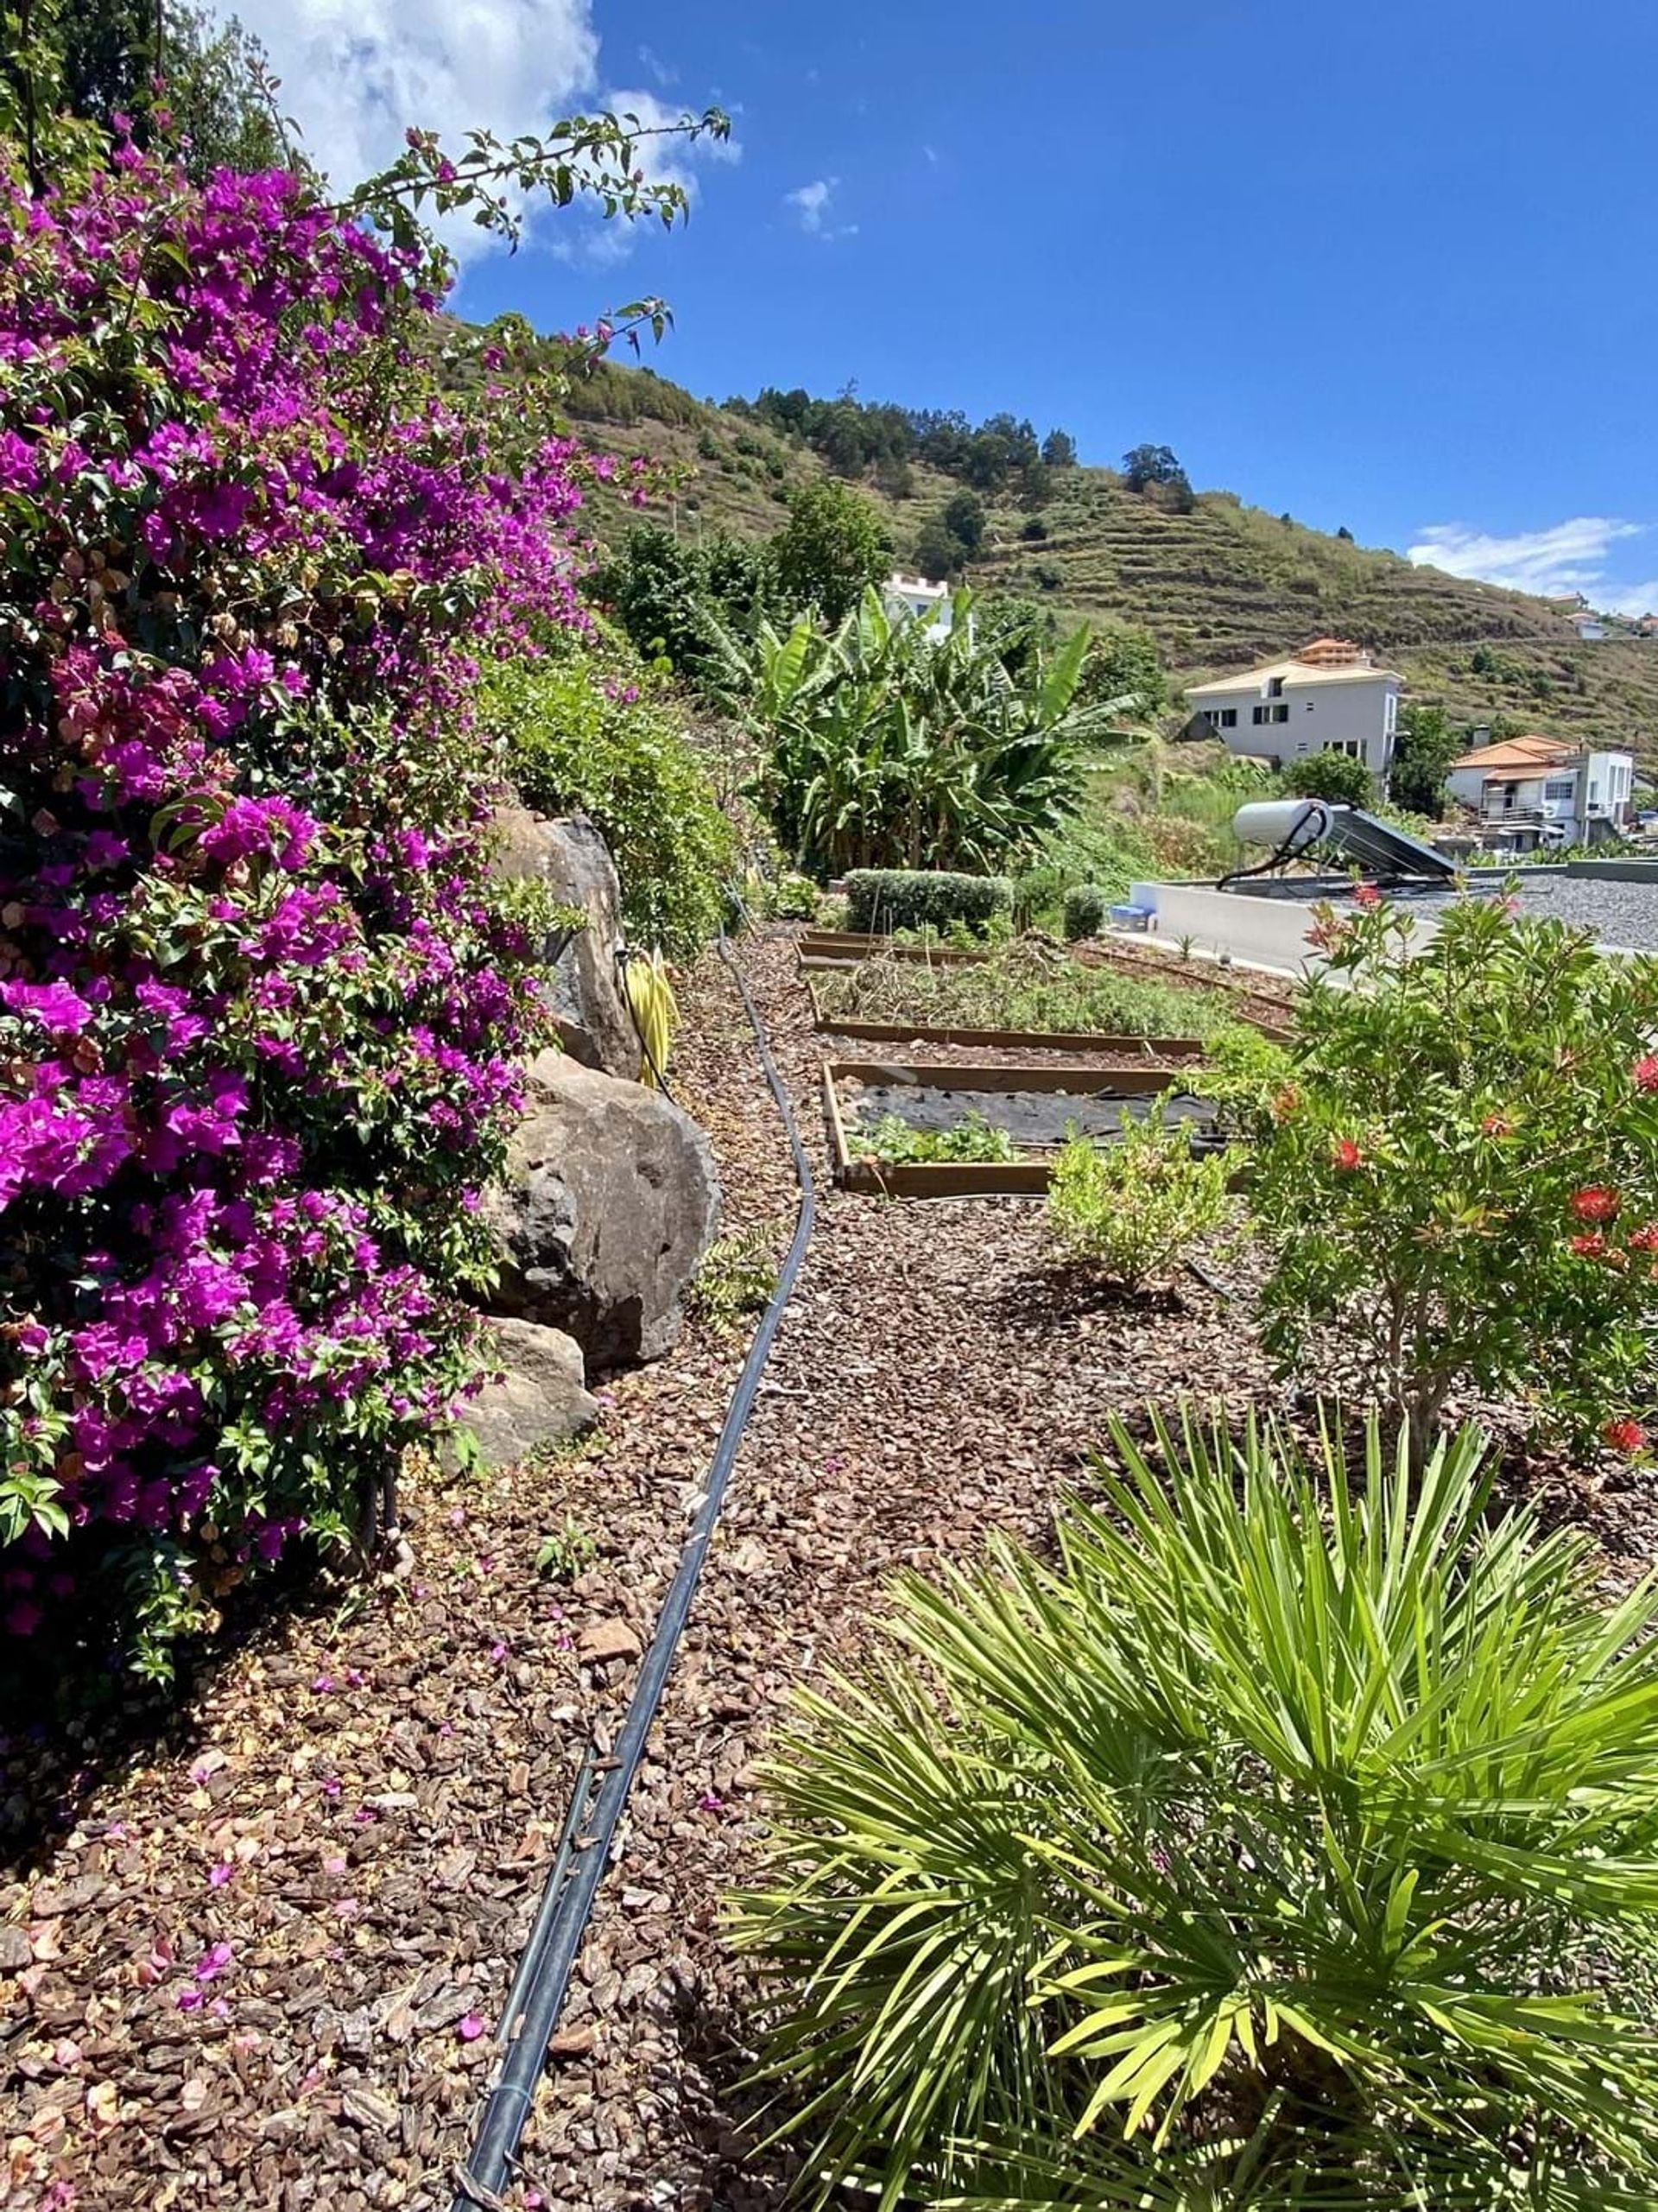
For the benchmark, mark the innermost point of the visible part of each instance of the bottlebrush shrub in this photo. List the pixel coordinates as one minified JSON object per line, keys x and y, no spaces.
{"x":1290,"y":1842}
{"x":257,"y":1017}
{"x":1134,"y":1209}
{"x":1458,"y":1176}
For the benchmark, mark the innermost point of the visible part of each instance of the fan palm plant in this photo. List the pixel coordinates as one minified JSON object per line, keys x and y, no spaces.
{"x":1277,"y":1845}
{"x":890,"y":743}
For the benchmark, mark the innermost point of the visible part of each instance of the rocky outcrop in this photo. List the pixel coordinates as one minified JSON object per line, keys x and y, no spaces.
{"x":610,"y":1199}
{"x":541,"y":1396}
{"x":583,"y":988}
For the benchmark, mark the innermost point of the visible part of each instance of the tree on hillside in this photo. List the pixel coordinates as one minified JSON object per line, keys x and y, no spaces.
{"x":94,"y":59}
{"x":1423,"y":750}
{"x":1060,"y":449}
{"x":1337,"y":777}
{"x":1124,"y":670}
{"x":674,"y":601}
{"x":965,"y":518}
{"x":832,"y":545}
{"x":939,"y":554}
{"x":1145,"y":465}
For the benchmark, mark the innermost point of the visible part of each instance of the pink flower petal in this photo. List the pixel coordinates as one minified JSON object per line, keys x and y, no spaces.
{"x":469,"y":2027}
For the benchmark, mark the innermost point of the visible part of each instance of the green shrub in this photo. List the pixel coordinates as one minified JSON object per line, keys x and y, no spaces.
{"x":1087,"y":910}
{"x":1133,"y":1209}
{"x":595,"y":736}
{"x":1269,"y":1849}
{"x":1460,"y":1177}
{"x":1335,"y":777}
{"x":913,"y":898}
{"x":794,"y":898}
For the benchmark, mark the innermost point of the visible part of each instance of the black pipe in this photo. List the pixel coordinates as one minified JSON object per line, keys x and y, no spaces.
{"x":543,"y":1977}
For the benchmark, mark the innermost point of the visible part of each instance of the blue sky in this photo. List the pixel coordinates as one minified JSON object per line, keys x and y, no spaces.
{"x":1391,"y":267}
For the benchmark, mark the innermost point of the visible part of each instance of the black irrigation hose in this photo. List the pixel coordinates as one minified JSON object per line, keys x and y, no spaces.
{"x":539,"y":1987}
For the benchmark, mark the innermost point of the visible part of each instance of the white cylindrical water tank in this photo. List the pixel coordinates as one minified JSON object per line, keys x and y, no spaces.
{"x":1286,"y":825}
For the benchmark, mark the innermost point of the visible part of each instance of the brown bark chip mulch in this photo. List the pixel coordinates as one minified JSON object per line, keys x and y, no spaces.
{"x":255,"y":1957}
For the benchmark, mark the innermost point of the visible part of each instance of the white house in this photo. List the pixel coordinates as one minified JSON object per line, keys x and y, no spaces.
{"x":915,"y":595}
{"x":1330,"y":697}
{"x":1546,"y":790}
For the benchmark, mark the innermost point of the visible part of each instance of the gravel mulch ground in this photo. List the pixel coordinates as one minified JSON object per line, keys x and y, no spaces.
{"x":253,"y":1958}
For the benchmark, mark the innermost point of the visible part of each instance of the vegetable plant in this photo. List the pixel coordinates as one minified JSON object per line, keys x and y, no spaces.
{"x":1028,"y":985}
{"x":893,"y":1139}
{"x":1460,"y":1174}
{"x":1291,"y":1840}
{"x":1133,"y":1209}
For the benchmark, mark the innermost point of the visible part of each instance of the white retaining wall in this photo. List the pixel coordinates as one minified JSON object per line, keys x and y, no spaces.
{"x":1268,"y":933}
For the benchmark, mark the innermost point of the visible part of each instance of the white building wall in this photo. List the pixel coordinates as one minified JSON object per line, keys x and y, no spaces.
{"x":1317,"y":717}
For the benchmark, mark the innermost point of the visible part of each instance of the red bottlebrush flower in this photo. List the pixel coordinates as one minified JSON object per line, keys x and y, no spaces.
{"x":1594,"y":1202}
{"x":1346,"y":1155}
{"x":1590,"y":1245}
{"x":1626,"y":1437}
{"x":1366,"y":895}
{"x":1645,"y":1239}
{"x":1497,"y":1124}
{"x":1285,"y":1103}
{"x":1645,"y":1072}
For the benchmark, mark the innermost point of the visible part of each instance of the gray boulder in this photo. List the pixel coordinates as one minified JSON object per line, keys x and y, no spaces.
{"x":541,"y":1397}
{"x":611,"y":1197}
{"x":583,"y":989}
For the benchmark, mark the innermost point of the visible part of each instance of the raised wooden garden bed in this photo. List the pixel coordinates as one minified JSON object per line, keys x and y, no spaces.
{"x":830,"y":950}
{"x":1157,"y":1048}
{"x":1026,"y":1178}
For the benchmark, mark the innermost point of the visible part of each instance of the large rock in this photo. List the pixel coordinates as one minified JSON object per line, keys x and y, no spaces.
{"x":541,"y":1397}
{"x":584,"y":988}
{"x":611,"y":1198}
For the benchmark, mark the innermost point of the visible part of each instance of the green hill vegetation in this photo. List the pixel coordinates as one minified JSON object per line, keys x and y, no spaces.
{"x":1218,"y":584}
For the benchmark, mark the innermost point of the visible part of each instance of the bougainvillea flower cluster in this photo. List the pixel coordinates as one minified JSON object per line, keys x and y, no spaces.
{"x":258,"y":1016}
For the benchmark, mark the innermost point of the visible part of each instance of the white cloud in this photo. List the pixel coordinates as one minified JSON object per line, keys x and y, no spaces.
{"x":357,"y":74}
{"x":654,"y":67}
{"x":811,"y":203}
{"x":1567,"y":557}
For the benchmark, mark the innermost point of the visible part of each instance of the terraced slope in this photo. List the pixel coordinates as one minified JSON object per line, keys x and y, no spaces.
{"x":1218,"y":587}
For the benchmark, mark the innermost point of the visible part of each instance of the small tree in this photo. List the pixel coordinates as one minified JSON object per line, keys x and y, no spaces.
{"x":1059,"y":450}
{"x":1337,"y":777}
{"x":964,"y":517}
{"x":1460,"y":1177}
{"x":938,"y":555}
{"x":1124,"y":670}
{"x":1146,"y":467}
{"x":831,"y":546}
{"x":1426,"y":746}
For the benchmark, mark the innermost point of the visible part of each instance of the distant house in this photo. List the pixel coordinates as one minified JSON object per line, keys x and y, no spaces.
{"x":1330,"y":697}
{"x":915,"y":595}
{"x":1648,"y":625}
{"x":1589,"y":626}
{"x":1546,"y":790}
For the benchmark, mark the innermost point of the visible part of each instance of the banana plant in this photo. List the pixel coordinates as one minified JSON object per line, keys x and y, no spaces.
{"x":891,"y":742}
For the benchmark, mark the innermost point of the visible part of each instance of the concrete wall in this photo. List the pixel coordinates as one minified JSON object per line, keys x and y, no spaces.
{"x":1616,"y":872}
{"x":1268,"y":933}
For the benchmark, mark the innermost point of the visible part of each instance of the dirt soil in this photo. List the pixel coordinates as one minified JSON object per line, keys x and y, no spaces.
{"x":253,"y":1948}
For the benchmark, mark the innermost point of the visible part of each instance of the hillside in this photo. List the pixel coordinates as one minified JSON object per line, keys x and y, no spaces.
{"x":1218,"y":587}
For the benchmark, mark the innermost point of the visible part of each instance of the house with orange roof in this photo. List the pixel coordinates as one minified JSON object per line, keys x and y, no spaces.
{"x":1538,"y":790}
{"x":1329,"y":697}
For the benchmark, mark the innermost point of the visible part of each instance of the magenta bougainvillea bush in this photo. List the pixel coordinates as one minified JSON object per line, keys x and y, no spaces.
{"x":258,"y":1020}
